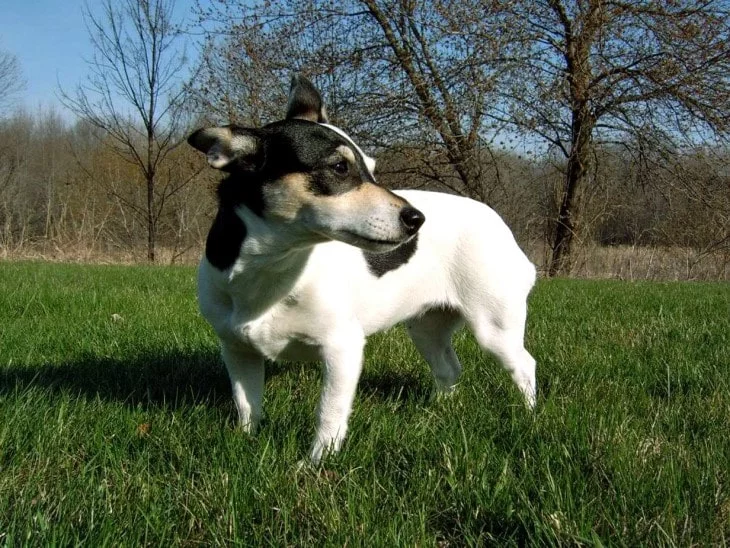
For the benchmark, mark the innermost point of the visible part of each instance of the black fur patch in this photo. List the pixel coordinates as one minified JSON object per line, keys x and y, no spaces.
{"x":241,"y":189}
{"x":322,"y":185}
{"x":225,"y":239}
{"x":382,"y":263}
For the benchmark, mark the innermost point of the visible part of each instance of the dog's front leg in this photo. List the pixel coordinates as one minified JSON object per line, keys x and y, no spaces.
{"x":246,"y":372}
{"x":342,"y":366}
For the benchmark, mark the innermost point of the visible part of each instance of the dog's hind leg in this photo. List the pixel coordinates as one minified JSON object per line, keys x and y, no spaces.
{"x":246,"y":372}
{"x":431,"y":333}
{"x":502,"y":335}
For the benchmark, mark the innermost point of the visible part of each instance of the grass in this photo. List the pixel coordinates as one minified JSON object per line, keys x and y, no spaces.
{"x":117,"y":427}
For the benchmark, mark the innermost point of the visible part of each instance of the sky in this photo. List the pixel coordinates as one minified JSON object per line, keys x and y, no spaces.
{"x":50,"y":41}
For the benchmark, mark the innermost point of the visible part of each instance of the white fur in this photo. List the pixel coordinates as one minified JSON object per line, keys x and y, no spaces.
{"x":320,"y":302}
{"x":369,"y":161}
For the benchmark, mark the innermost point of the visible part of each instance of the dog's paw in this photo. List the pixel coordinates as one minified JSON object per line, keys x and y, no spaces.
{"x":248,"y":425}
{"x":245,"y":428}
{"x":304,"y":466}
{"x":315,"y":455}
{"x":324,"y":449}
{"x":443,"y":393}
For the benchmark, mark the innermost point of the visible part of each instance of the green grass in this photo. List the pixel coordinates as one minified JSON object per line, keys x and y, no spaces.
{"x":121,"y":432}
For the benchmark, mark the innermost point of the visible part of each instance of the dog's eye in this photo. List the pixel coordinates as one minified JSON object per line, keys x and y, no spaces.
{"x":341,"y":167}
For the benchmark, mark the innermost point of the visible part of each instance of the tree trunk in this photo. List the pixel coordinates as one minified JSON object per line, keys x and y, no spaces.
{"x":150,"y":176}
{"x":575,"y":174}
{"x":151,"y":229}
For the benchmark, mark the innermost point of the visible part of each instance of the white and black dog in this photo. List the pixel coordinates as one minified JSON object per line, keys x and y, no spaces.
{"x":308,"y":255}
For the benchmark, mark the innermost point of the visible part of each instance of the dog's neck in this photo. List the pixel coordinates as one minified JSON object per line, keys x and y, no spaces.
{"x":266,"y":264}
{"x":270,"y":241}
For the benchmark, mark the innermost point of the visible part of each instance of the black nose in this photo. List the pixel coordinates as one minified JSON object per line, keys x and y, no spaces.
{"x":412,"y":219}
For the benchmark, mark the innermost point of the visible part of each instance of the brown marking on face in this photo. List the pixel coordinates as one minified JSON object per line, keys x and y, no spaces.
{"x":366,"y":211}
{"x":371,"y":195}
{"x":285,"y":198}
{"x":359,"y":201}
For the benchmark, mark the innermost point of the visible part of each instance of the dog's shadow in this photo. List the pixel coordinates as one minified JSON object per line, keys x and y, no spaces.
{"x":173,"y":379}
{"x":153,"y":379}
{"x":393,"y":385}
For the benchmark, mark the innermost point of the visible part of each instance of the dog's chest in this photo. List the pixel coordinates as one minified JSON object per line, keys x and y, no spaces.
{"x":331,"y":297}
{"x":284,"y":331}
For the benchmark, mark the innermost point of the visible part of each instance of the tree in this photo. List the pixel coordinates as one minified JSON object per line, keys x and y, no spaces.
{"x":135,"y":94}
{"x":404,"y":75}
{"x":449,"y":78}
{"x":651,"y":73}
{"x":11,"y":78}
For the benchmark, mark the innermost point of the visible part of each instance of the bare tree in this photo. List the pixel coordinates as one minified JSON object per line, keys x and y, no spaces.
{"x":649,"y":73}
{"x":135,"y":94}
{"x":396,"y":74}
{"x":11,"y":79}
{"x":449,"y":78}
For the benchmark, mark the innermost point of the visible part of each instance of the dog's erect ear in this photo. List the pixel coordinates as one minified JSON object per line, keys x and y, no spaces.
{"x":227,"y":146}
{"x":305,"y":102}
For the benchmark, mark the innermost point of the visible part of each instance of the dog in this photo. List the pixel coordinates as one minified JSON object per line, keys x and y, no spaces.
{"x":308,"y":255}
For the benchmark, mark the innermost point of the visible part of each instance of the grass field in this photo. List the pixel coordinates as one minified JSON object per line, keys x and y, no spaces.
{"x":117,"y":427}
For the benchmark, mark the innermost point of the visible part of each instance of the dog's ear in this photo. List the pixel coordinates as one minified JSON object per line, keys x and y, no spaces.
{"x":305,"y":102}
{"x":229,"y":146}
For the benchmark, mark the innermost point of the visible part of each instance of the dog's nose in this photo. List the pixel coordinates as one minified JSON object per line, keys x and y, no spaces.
{"x":412,"y":219}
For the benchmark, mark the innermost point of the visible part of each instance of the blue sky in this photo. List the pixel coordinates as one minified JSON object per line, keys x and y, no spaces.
{"x":50,"y":41}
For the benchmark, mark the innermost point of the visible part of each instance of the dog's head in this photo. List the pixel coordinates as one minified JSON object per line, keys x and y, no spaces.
{"x":308,"y":175}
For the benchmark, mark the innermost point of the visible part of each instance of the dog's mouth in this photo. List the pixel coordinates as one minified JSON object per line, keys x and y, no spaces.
{"x":370,"y":244}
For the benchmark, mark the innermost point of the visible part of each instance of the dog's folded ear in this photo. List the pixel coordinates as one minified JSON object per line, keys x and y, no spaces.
{"x":305,"y":102}
{"x":228,"y":147}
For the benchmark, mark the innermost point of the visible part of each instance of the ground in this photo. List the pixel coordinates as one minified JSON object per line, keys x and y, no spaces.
{"x":117,"y":426}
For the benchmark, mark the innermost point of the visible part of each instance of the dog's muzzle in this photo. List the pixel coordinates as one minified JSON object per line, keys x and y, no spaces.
{"x":411,"y":219}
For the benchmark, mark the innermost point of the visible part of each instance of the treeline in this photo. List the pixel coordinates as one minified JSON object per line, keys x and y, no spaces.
{"x":65,"y":194}
{"x":574,"y":78}
{"x":593,"y":127}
